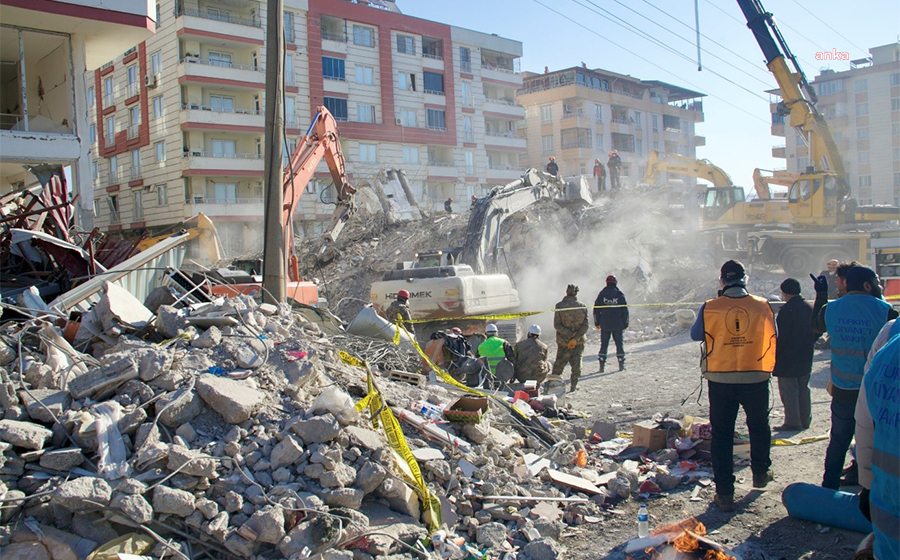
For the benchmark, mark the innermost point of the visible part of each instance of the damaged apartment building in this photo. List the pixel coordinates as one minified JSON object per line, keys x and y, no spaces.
{"x":45,"y":50}
{"x":580,"y":114}
{"x":177,"y":123}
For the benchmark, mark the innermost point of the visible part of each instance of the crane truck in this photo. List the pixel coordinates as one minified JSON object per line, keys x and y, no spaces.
{"x":447,"y":286}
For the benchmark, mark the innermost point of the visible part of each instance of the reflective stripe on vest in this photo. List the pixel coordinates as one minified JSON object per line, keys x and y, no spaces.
{"x":739,"y":334}
{"x":883,"y":399}
{"x":853,"y":322}
{"x":492,"y":349}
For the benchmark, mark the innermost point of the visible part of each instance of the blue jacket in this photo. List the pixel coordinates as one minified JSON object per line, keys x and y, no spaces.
{"x":883,"y":393}
{"x":853,"y":322}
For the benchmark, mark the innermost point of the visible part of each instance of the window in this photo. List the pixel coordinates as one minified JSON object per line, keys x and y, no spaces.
{"x":109,"y":91}
{"x":363,"y":36}
{"x":225,"y":193}
{"x":895,"y":79}
{"x":96,"y":207}
{"x":289,"y":69}
{"x":135,"y":163}
{"x":436,"y":119}
{"x":654,"y":120}
{"x":465,"y":89}
{"x":365,"y":75}
{"x":221,"y":103}
{"x":895,"y":129}
{"x":158,"y":107}
{"x":289,"y":110}
{"x":224,"y":148}
{"x":408,"y":117}
{"x":468,"y":134}
{"x":110,"y":132}
{"x":639,"y":147}
{"x":895,"y":154}
{"x":289,"y":26}
{"x":433,"y":82}
{"x":862,"y":157}
{"x":112,"y":201}
{"x":406,"y":44}
{"x":156,"y":63}
{"x":638,"y":117}
{"x":410,"y":154}
{"x":895,"y":104}
{"x":547,"y":143}
{"x":830,"y":88}
{"x":576,"y":138}
{"x":218,"y":14}
{"x":599,"y":142}
{"x":138,"y":205}
{"x":91,"y":100}
{"x":546,"y":114}
{"x":365,"y":113}
{"x":113,"y":168}
{"x":333,"y":68}
{"x":160,"y":148}
{"x":95,"y":170}
{"x":865,"y":180}
{"x":861,"y":85}
{"x":217,"y":58}
{"x":93,"y":133}
{"x":368,"y":153}
{"x":158,"y":17}
{"x":337,"y":107}
{"x":132,"y":73}
{"x":407,"y":81}
{"x":470,"y":163}
{"x":465,"y":60}
{"x":162,"y":195}
{"x":799,"y":140}
{"x":862,"y":133}
{"x":897,"y":179}
{"x":135,"y":115}
{"x":862,"y":109}
{"x":598,"y":112}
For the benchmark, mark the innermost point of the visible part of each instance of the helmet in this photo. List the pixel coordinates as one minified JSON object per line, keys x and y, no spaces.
{"x":492,"y":328}
{"x":534,"y":329}
{"x":611,"y":279}
{"x":403,"y":294}
{"x":457,"y":330}
{"x":552,"y":158}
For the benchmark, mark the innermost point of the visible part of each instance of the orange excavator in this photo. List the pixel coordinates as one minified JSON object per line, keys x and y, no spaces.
{"x":321,"y":140}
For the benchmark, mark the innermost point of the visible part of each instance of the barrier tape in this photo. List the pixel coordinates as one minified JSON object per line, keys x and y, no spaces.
{"x":804,"y":441}
{"x":519,"y":315}
{"x":381,"y":413}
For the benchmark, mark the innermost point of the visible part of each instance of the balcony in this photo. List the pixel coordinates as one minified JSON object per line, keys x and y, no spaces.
{"x":136,"y":173}
{"x":504,"y":106}
{"x":500,"y":171}
{"x":209,"y":19}
{"x":442,"y":168}
{"x":779,"y":151}
{"x":224,"y":163}
{"x":134,"y":131}
{"x":109,"y":139}
{"x":112,"y":178}
{"x":109,"y":99}
{"x":202,"y":114}
{"x":192,"y":66}
{"x":132,"y":89}
{"x":226,"y":207}
{"x":504,"y":140}
{"x":778,"y":129}
{"x":465,"y":66}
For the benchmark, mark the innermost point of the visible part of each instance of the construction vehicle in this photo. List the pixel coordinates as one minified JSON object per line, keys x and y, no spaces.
{"x":824,"y":221}
{"x":320,"y":141}
{"x":448,"y":285}
{"x":884,"y":247}
{"x":778,"y":177}
{"x":205,"y":233}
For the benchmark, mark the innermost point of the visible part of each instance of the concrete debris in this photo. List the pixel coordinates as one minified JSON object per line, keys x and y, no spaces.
{"x":24,"y":434}
{"x":235,"y":401}
{"x":83,"y":493}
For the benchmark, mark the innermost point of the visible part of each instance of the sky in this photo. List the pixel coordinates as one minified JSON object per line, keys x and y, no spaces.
{"x":619,"y":35}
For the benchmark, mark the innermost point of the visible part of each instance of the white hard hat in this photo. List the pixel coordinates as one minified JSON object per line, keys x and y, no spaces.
{"x":492,"y":328}
{"x":534,"y":329}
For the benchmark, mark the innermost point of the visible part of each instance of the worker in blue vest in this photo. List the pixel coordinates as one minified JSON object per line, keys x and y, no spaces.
{"x":494,"y":349}
{"x":878,"y":445}
{"x":852,"y":322}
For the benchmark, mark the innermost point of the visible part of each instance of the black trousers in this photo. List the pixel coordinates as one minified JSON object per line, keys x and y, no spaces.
{"x":604,"y":344}
{"x":724,"y":401}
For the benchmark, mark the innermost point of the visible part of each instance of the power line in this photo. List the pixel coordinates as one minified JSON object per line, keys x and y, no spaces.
{"x":648,"y":61}
{"x":829,"y":27}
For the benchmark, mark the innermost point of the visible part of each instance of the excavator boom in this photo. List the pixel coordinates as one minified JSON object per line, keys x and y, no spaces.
{"x":681,"y":165}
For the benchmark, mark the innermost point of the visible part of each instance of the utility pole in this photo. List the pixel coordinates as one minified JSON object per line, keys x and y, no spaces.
{"x":274,"y":231}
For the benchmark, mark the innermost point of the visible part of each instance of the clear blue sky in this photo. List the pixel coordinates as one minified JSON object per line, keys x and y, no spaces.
{"x":737,"y":130}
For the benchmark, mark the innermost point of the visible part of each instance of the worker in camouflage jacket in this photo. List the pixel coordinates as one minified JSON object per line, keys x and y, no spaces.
{"x":531,"y":357}
{"x":571,"y":324}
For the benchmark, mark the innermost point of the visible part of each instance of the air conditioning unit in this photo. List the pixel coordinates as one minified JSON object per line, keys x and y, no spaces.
{"x":150,"y":81}
{"x":398,"y":122}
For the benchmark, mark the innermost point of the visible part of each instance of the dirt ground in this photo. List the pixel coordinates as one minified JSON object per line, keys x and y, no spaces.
{"x":659,"y":375}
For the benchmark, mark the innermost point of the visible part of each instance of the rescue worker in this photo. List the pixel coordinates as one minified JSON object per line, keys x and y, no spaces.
{"x":571,"y":324}
{"x":531,"y":357}
{"x":400,"y":306}
{"x":552,"y":168}
{"x":611,"y":321}
{"x":737,"y":331}
{"x":852,"y":321}
{"x":600,"y":174}
{"x":494,"y":349}
{"x":830,"y":273}
{"x":878,"y":445}
{"x":448,"y":205}
{"x":614,"y":164}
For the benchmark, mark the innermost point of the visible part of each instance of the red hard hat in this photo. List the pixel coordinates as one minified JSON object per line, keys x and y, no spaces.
{"x":611,"y":279}
{"x":403,"y":294}
{"x":457,"y":330}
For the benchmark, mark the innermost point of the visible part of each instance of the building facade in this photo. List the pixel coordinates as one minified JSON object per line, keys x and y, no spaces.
{"x":47,"y":48}
{"x":862,"y":107}
{"x":180,"y":125}
{"x":578,"y":115}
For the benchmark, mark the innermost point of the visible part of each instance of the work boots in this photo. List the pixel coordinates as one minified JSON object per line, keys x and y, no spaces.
{"x":621,"y":364}
{"x":602,"y":365}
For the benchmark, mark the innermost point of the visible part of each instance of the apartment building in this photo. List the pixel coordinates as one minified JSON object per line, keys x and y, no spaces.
{"x":47,"y":46}
{"x":179,"y":120}
{"x":579,"y":114}
{"x":862,"y":107}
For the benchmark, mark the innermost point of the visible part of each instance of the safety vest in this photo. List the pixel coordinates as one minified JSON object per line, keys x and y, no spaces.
{"x":853,"y":322}
{"x":739,"y":339}
{"x":492,"y":349}
{"x":883,"y":398}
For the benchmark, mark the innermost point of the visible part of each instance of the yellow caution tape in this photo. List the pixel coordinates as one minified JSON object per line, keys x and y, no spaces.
{"x":351,"y":360}
{"x":804,"y":441}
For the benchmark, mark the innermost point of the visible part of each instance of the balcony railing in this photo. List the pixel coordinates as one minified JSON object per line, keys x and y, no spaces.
{"x":221,"y":155}
{"x":434,"y":92}
{"x":340,"y":37}
{"x":233,"y":110}
{"x":222,"y":63}
{"x":132,"y":89}
{"x":135,"y":173}
{"x":109,"y":139}
{"x":499,"y":101}
{"x":109,"y":99}
{"x":568,"y":145}
{"x":435,"y":56}
{"x":134,"y":131}
{"x":335,"y":78}
{"x":486,"y":66}
{"x":501,"y":167}
{"x":468,"y":136}
{"x":112,"y":178}
{"x":206,"y":200}
{"x":430,"y":127}
{"x":573,"y":114}
{"x":620,"y":121}
{"x":779,"y":147}
{"x":468,"y":102}
{"x":497,"y":134}
{"x":435,"y":163}
{"x":226,"y":16}
{"x":465,"y":66}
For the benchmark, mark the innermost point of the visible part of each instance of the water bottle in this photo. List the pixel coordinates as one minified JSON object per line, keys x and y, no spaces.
{"x":643,"y":522}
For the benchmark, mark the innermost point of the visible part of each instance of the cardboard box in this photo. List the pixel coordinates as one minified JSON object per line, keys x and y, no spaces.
{"x":646,"y":434}
{"x":469,"y":410}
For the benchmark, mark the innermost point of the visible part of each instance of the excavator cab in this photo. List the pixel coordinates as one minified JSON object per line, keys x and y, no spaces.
{"x":720,"y":200}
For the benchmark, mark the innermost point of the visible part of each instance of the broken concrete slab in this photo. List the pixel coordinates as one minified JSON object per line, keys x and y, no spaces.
{"x":190,"y":461}
{"x":234,"y":400}
{"x":133,"y":506}
{"x":54,"y":402}
{"x":209,"y":338}
{"x":24,"y":434}
{"x":267,"y":524}
{"x":83,"y":493}
{"x":178,"y":407}
{"x":319,"y":429}
{"x":117,"y":308}
{"x":97,"y":381}
{"x":62,"y":460}
{"x":170,"y":321}
{"x":285,"y":453}
{"x":171,"y":500}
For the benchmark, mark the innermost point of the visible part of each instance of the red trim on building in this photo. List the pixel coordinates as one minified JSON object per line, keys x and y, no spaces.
{"x":223,"y":82}
{"x":221,"y":173}
{"x":115,"y":227}
{"x":103,"y":71}
{"x":336,"y":94}
{"x":227,"y":127}
{"x":129,"y":58}
{"x":132,"y":99}
{"x":468,"y":110}
{"x":466,"y":76}
{"x":225,"y":36}
{"x":108,"y":110}
{"x":112,"y":188}
{"x":291,"y":89}
{"x":470,"y":145}
{"x":471,"y":179}
{"x":136,"y":183}
{"x":81,"y":11}
{"x":290,"y":46}
{"x":435,"y":106}
{"x":331,"y":54}
{"x":138,"y":224}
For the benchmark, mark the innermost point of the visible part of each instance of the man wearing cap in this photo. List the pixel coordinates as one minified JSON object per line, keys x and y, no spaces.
{"x":794,"y":357}
{"x":531,"y":357}
{"x":552,"y":168}
{"x":830,"y":274}
{"x":400,"y":306}
{"x":571,"y":324}
{"x":611,"y":317}
{"x":613,"y":164}
{"x":737,"y":331}
{"x":852,"y":322}
{"x":494,"y":349}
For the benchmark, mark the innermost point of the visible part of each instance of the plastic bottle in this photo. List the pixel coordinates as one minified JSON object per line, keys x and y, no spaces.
{"x":643,"y":522}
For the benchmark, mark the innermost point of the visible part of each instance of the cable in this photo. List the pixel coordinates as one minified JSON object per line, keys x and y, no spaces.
{"x":829,"y":27}
{"x":650,"y":62}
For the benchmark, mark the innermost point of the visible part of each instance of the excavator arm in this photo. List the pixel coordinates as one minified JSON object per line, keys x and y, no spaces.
{"x":681,"y":165}
{"x":205,"y":231}
{"x":321,"y":140}
{"x":761,"y":182}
